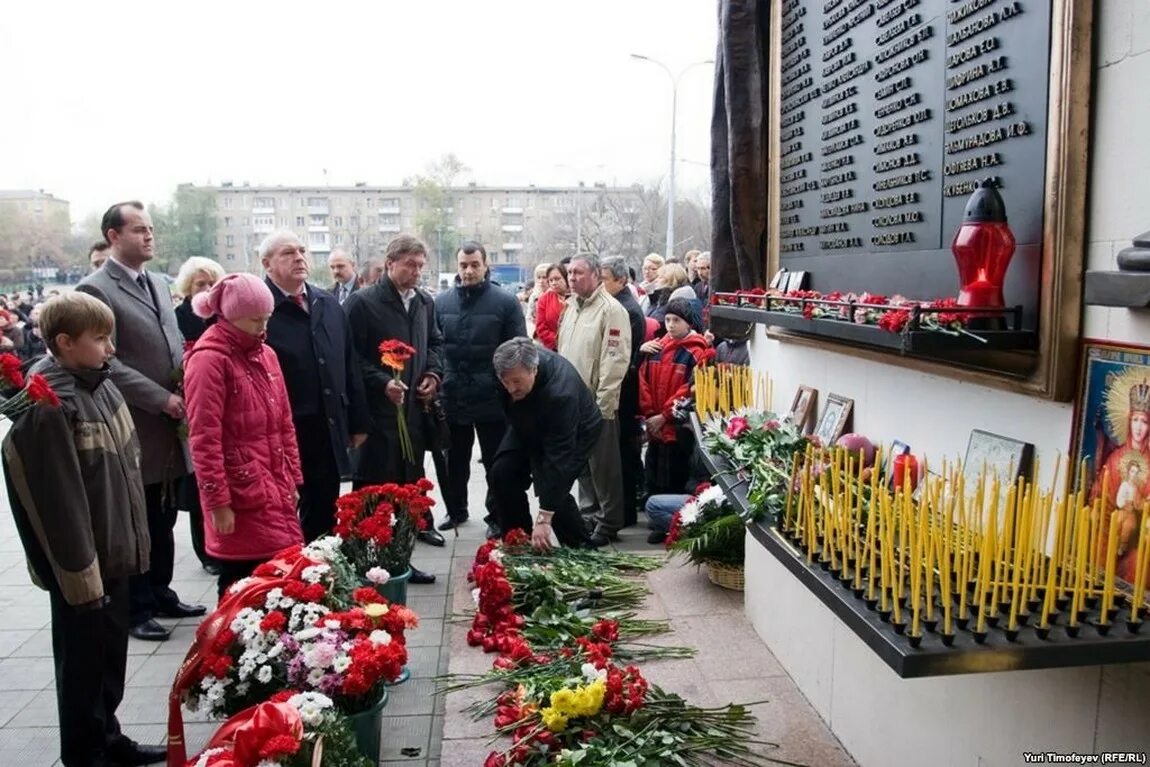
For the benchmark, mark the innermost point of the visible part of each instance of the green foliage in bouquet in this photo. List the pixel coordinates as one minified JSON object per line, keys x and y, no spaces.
{"x":761,"y":448}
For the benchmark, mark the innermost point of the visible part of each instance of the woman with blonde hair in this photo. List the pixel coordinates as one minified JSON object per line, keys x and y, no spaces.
{"x":671,"y":283}
{"x":196,"y":275}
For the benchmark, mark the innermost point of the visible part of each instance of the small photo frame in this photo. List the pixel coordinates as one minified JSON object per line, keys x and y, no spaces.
{"x":803,"y":408}
{"x":834,"y":419}
{"x":779,"y":281}
{"x":796,"y":280}
{"x":897,"y":448}
{"x":1004,"y":458}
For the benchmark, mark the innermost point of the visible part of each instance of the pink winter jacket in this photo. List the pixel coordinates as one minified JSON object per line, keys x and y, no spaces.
{"x":243,"y":443}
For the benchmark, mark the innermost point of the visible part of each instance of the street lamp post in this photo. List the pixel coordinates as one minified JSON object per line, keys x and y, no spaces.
{"x":670,"y":249}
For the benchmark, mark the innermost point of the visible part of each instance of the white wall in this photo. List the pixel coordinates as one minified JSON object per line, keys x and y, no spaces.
{"x":982,"y":719}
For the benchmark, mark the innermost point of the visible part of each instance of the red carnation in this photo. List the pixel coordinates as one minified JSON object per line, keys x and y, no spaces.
{"x":40,"y":392}
{"x":277,"y":746}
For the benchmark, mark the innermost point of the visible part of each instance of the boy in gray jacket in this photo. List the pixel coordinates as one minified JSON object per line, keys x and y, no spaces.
{"x":73,"y":476}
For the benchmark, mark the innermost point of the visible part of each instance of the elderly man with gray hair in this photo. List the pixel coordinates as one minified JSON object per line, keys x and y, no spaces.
{"x":553,"y":424}
{"x":310,"y":335}
{"x":595,"y":337}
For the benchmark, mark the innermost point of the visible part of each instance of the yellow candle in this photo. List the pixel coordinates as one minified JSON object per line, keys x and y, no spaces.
{"x":870,"y":545}
{"x":1080,"y":564}
{"x":1141,"y":564}
{"x":1111,"y":564}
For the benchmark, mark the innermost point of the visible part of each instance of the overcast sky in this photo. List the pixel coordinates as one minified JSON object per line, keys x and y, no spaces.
{"x":106,"y":101}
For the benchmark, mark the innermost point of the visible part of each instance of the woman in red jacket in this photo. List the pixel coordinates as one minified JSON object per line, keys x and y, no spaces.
{"x":240,"y":430}
{"x":664,"y":377}
{"x":550,"y":307}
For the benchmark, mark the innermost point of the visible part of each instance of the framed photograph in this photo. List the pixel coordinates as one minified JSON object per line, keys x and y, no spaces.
{"x":1111,"y":442}
{"x":796,"y":280}
{"x":779,"y":281}
{"x":896,"y":448}
{"x":1001,"y":457}
{"x":834,"y":419}
{"x":803,"y":408}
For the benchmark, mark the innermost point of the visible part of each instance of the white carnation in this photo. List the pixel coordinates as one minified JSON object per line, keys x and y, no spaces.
{"x":378,"y":576}
{"x":379,"y":637}
{"x":590,"y":673}
{"x":496,"y":555}
{"x":689,"y":513}
{"x":712,"y":495}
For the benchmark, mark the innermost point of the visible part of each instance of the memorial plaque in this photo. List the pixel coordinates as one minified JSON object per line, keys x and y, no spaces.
{"x":890,"y":113}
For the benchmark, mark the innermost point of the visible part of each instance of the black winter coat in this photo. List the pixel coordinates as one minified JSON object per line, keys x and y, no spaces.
{"x":376,"y":314}
{"x":557,"y":424}
{"x":319,"y":366}
{"x":474,"y":322}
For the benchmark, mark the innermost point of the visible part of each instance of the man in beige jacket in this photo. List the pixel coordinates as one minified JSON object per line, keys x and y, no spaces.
{"x":595,"y":337}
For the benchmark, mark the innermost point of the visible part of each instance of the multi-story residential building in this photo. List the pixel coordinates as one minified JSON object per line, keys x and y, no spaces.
{"x":38,"y":204}
{"x":517,"y":225}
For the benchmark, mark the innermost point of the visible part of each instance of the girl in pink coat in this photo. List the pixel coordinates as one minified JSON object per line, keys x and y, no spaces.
{"x":240,"y":430}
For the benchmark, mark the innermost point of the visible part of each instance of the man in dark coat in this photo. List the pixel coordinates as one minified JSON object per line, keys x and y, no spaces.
{"x":310,"y":335}
{"x":476,"y":317}
{"x":616,"y":277}
{"x":146,"y":369}
{"x":396,"y":308}
{"x":553,"y":423}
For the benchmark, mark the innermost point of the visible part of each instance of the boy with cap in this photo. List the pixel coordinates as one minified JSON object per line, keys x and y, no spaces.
{"x":73,"y":476}
{"x":665,"y":377}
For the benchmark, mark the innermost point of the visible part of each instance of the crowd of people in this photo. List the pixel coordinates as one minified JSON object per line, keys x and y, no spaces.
{"x":246,"y":401}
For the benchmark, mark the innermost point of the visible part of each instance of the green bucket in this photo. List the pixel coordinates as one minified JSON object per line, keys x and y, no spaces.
{"x":368,"y":726}
{"x":395,"y":590}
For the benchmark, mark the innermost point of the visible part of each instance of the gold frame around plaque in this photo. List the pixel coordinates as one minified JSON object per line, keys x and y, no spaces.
{"x":1053,"y":366}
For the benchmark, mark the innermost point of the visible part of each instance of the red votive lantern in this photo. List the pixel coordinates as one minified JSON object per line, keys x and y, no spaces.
{"x":983,"y":247}
{"x":903,"y":463}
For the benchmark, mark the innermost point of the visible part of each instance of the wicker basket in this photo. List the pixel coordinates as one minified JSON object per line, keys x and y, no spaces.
{"x":726,"y":576}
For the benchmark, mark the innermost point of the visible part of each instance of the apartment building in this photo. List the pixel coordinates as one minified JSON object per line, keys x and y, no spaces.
{"x":517,"y":225}
{"x":38,"y":204}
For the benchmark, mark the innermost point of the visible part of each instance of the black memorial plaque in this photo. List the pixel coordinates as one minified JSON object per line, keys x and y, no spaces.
{"x":891,"y":111}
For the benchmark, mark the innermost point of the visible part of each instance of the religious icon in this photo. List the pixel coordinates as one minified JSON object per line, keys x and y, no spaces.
{"x":1112,"y":439}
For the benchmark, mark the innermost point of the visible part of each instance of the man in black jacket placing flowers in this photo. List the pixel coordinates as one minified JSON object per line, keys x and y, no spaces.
{"x":553,"y":424}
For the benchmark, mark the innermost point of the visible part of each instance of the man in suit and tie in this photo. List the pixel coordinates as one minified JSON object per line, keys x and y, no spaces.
{"x":344,"y":278}
{"x":309,"y":332}
{"x":146,"y":368}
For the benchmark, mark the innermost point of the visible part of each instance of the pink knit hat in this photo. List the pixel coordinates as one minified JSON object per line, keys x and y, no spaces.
{"x":235,"y":297}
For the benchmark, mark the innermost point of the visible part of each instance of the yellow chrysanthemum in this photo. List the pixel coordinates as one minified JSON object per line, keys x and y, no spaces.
{"x":563,"y":700}
{"x":553,"y":720}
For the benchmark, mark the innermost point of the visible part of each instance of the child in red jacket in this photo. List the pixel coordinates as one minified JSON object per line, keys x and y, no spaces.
{"x":664,"y":377}
{"x":240,"y":430}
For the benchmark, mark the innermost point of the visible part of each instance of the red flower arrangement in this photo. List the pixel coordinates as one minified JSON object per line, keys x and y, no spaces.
{"x":378,"y":524}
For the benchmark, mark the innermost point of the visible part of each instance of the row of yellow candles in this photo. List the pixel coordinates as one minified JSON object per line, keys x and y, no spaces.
{"x":935,"y":538}
{"x":723,"y":389}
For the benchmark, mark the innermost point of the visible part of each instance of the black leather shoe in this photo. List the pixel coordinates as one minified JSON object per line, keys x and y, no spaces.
{"x":656,"y":537}
{"x":211,"y":568}
{"x":451,"y":524}
{"x":420,"y":577}
{"x":128,"y":753}
{"x":431,"y":537}
{"x":180,"y":610}
{"x":150,"y":631}
{"x":493,"y":531}
{"x":598,"y":541}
